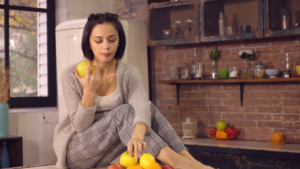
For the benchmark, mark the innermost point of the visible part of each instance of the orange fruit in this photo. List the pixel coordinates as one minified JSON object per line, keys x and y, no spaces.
{"x":146,"y":159}
{"x":135,"y":167}
{"x":154,"y":166}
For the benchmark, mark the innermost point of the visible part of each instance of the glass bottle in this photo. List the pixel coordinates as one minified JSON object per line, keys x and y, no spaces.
{"x":5,"y":161}
{"x":214,"y":73}
{"x":259,"y":70}
{"x":285,"y":18}
{"x":287,"y":66}
{"x":245,"y":71}
{"x":221,"y":24}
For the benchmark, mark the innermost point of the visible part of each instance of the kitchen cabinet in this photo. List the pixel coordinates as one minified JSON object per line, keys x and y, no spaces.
{"x":236,"y":14}
{"x":231,"y":158}
{"x":161,"y":27}
{"x":273,"y":20}
{"x":15,"y":149}
{"x":262,"y":15}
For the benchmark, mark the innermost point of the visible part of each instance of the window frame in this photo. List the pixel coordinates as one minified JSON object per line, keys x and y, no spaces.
{"x":51,"y":99}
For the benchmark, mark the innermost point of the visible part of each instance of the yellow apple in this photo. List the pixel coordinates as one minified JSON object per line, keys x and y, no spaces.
{"x":81,"y":68}
{"x":126,"y":160}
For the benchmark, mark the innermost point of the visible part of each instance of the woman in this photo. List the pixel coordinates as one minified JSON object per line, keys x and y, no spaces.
{"x":108,"y":110}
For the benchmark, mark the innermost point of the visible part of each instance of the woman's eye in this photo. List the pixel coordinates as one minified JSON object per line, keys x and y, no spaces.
{"x":97,"y":41}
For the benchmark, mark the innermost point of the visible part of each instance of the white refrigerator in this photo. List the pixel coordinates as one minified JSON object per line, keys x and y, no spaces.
{"x":68,"y":50}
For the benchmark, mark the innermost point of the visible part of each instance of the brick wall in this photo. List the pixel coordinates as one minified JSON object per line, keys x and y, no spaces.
{"x":267,"y":107}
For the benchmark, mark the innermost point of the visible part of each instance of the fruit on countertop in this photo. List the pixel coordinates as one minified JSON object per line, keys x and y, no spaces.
{"x":221,"y":134}
{"x":126,"y":160}
{"x":147,"y":159}
{"x":116,"y":166}
{"x":155,"y":165}
{"x":135,"y":167}
{"x":221,"y":125}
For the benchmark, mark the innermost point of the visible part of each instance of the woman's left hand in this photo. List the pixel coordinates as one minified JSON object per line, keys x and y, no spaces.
{"x":136,"y":145}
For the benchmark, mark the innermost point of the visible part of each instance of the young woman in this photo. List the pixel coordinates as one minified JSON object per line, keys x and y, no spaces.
{"x":109,"y":111}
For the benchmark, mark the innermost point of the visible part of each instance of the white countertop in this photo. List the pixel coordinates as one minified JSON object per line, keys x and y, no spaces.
{"x":243,"y":144}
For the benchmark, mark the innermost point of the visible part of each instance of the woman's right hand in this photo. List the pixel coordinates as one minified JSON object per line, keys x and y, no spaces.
{"x":90,"y":82}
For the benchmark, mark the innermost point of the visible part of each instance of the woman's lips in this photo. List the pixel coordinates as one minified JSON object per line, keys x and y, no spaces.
{"x":106,"y":54}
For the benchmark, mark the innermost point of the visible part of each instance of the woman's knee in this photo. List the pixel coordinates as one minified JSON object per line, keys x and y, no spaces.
{"x":125,"y":110}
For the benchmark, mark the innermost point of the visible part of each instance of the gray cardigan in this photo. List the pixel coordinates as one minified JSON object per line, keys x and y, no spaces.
{"x":80,"y":118}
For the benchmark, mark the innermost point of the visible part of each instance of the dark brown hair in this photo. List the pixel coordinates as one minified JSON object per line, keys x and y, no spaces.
{"x":100,"y":18}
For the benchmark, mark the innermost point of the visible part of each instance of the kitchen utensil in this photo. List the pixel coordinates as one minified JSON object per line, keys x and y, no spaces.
{"x":272,"y":73}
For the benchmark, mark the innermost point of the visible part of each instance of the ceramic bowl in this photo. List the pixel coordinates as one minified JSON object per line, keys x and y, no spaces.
{"x":272,"y":73}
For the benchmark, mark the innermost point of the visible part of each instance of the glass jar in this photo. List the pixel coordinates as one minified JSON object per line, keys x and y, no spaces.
{"x":185,"y":74}
{"x":233,"y":72}
{"x":259,"y":69}
{"x":199,"y":72}
{"x":214,"y":72}
{"x":285,"y":18}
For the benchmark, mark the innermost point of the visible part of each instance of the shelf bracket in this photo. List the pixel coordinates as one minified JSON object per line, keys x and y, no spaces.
{"x":178,"y":91}
{"x":242,"y":93}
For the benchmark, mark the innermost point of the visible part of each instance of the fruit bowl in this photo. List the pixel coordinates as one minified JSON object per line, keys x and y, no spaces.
{"x":231,"y":133}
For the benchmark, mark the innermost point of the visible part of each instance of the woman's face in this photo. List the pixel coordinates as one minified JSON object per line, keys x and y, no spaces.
{"x":104,"y":42}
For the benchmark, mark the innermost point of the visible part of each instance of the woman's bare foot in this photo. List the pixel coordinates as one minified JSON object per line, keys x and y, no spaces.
{"x":193,"y":163}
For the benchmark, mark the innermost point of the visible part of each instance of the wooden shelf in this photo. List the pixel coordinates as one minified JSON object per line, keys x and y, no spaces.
{"x":241,"y":82}
{"x":253,"y":80}
{"x":15,"y":149}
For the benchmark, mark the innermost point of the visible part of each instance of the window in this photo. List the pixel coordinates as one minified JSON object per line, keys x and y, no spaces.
{"x":27,"y":47}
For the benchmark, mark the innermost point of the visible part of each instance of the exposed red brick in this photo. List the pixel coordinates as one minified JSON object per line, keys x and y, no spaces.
{"x":290,"y":94}
{"x":195,"y":94}
{"x":269,"y":109}
{"x":288,"y":125}
{"x":189,"y":87}
{"x":174,"y":120}
{"x":259,"y":117}
{"x":291,"y":48}
{"x":189,"y":102}
{"x":167,"y":101}
{"x":255,"y":43}
{"x":246,"y":95}
{"x":169,"y":62}
{"x":281,"y":56}
{"x":230,"y":59}
{"x":210,"y":87}
{"x":243,"y":123}
{"x":138,"y":3}
{"x":296,"y":125}
{"x":288,"y":131}
{"x":231,"y":102}
{"x":283,"y":41}
{"x":164,"y":50}
{"x":210,"y":102}
{"x":176,"y":108}
{"x":234,"y":116}
{"x":260,"y":131}
{"x":214,"y":115}
{"x":220,"y":108}
{"x":218,"y":95}
{"x":175,"y":56}
{"x":243,"y":109}
{"x":224,"y":52}
{"x":197,"y":108}
{"x":258,"y":87}
{"x":274,"y":124}
{"x":260,"y":50}
{"x":258,"y":102}
{"x":283,"y":117}
{"x":182,"y":62}
{"x":292,"y":110}
{"x":183,"y":115}
{"x":231,"y":87}
{"x":262,"y":138}
{"x":262,"y":58}
{"x":286,"y":102}
{"x":161,"y":107}
{"x":183,"y":48}
{"x":202,"y":121}
{"x":168,"y":114}
{"x":268,"y":94}
{"x":285,"y":87}
{"x":203,"y":114}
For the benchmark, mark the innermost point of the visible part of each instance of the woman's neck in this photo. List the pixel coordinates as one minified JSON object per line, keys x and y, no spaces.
{"x":107,"y":68}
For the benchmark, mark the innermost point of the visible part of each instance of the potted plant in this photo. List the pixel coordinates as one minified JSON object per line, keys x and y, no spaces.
{"x":214,"y":55}
{"x":4,"y":97}
{"x":246,"y":55}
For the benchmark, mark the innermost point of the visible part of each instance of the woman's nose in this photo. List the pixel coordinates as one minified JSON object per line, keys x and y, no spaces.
{"x":106,"y":45}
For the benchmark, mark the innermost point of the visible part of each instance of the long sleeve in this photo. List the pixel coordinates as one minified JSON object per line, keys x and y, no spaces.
{"x":138,"y":98}
{"x":81,"y":117}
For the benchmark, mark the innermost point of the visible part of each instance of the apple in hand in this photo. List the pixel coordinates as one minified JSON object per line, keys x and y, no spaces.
{"x":116,"y":166}
{"x":81,"y":68}
{"x":166,"y":166}
{"x":221,"y":125}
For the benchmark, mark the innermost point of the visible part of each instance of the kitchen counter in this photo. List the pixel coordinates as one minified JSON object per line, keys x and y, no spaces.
{"x":243,"y":144}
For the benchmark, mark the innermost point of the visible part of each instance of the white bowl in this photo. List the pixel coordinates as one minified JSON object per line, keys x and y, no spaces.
{"x":272,"y":73}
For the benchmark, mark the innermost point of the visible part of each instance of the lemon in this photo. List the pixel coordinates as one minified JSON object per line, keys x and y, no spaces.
{"x":126,"y":160}
{"x":81,"y":68}
{"x":146,"y":160}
